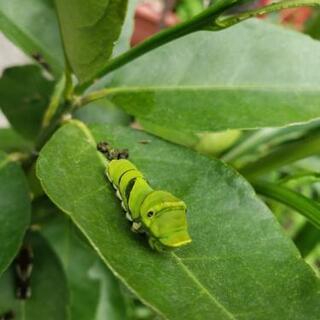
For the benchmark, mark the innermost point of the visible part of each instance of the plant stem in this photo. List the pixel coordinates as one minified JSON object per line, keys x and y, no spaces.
{"x":199,"y":22}
{"x":307,"y":207}
{"x":225,"y":22}
{"x":95,"y":95}
{"x":54,"y":101}
{"x":68,"y":90}
{"x":56,"y":120}
{"x":285,"y":154}
{"x":57,"y":108}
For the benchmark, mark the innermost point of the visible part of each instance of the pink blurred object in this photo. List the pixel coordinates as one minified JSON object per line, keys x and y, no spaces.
{"x":148,"y":21}
{"x":296,"y":17}
{"x":263,"y":3}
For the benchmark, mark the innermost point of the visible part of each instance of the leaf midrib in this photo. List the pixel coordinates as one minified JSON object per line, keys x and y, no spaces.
{"x":201,"y":286}
{"x":245,"y":87}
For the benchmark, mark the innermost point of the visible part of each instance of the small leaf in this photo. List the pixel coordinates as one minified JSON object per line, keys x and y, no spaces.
{"x":24,"y":97}
{"x":239,"y":265}
{"x":90,"y":29}
{"x":49,"y":299}
{"x":14,"y":210}
{"x":93,"y":288}
{"x":32,"y":26}
{"x":231,"y":79}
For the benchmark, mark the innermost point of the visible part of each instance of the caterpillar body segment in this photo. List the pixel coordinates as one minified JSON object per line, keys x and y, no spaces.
{"x":158,"y":213}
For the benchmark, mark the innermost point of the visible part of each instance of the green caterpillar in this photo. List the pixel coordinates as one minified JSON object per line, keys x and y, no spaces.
{"x":157,"y":213}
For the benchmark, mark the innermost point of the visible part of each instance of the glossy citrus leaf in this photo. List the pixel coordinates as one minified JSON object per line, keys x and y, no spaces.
{"x":239,"y":265}
{"x":11,"y":141}
{"x":90,"y":29}
{"x":231,"y":79}
{"x":14,"y":209}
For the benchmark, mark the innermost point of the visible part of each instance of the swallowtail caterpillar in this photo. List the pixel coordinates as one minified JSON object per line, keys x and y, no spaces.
{"x":159,"y":214}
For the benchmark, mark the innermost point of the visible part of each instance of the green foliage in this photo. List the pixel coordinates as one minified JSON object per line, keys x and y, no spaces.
{"x":237,"y":259}
{"x":222,"y":93}
{"x":102,"y":111}
{"x":24,"y":98}
{"x":90,"y":30}
{"x":14,"y":210}
{"x":11,"y":141}
{"x":187,"y":9}
{"x":32,"y":25}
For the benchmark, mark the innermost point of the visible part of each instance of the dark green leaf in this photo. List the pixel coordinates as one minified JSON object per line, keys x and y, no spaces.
{"x":213,"y":81}
{"x":32,"y":26}
{"x":14,"y":209}
{"x":11,"y":141}
{"x":90,"y":29}
{"x":49,"y":298}
{"x":239,"y":265}
{"x":312,"y":27}
{"x":307,"y":239}
{"x":24,"y":97}
{"x":95,"y":293}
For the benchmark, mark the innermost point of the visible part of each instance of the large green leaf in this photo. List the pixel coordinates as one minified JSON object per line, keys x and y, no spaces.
{"x":90,"y":29}
{"x":32,"y":26}
{"x":239,"y":265}
{"x":95,"y":293}
{"x":50,"y":296}
{"x":251,"y":75}
{"x":24,"y":97}
{"x":14,"y":209}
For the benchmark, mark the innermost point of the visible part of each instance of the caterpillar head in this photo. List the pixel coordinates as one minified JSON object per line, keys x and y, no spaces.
{"x":165,"y":217}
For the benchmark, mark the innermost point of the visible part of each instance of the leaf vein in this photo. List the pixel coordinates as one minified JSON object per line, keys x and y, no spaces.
{"x":202,"y":287}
